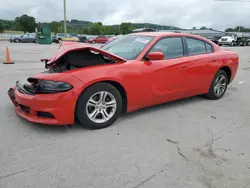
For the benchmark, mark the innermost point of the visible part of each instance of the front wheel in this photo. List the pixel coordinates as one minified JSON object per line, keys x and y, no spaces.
{"x":218,"y":86}
{"x":99,"y":106}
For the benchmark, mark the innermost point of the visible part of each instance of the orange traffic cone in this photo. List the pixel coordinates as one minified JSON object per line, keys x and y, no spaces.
{"x":8,"y":59}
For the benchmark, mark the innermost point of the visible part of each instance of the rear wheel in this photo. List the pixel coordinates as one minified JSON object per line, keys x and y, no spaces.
{"x":218,"y":86}
{"x":99,"y":106}
{"x":16,"y":40}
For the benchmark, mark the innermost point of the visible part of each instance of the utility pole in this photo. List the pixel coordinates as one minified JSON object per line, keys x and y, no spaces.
{"x":65,"y":17}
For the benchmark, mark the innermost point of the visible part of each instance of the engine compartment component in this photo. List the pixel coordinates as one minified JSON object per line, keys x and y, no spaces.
{"x":78,"y":59}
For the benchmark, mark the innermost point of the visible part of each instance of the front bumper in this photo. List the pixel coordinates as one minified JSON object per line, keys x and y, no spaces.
{"x":51,"y":109}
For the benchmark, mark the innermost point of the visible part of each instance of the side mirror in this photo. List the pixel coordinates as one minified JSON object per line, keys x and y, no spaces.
{"x":155,"y":56}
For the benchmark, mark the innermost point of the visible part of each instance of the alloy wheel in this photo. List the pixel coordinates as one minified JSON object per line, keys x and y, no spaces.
{"x":220,"y":85}
{"x":101,"y":107}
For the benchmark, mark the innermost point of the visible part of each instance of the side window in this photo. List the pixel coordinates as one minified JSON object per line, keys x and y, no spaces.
{"x":209,"y":48}
{"x":171,"y":47}
{"x":196,"y":47}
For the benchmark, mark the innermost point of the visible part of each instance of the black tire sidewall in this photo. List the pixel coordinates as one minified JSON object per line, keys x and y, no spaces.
{"x":82,"y":102}
{"x":211,"y":93}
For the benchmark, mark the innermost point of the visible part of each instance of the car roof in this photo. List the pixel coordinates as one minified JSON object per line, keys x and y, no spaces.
{"x":163,"y":34}
{"x":169,"y":34}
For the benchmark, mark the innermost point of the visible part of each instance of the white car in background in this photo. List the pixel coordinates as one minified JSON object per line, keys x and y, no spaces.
{"x":227,"y":40}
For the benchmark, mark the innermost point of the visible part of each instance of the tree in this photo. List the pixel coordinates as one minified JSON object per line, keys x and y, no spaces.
{"x":203,"y":27}
{"x":60,"y":29}
{"x":229,"y":30}
{"x":238,"y":29}
{"x":26,"y":23}
{"x":1,"y":28}
{"x":108,"y":30}
{"x":126,"y":28}
{"x":96,"y":29}
{"x":54,"y":26}
{"x":100,"y":23}
{"x":116,"y":29}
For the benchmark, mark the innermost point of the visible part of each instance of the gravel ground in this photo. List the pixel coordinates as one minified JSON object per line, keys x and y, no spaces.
{"x":190,"y":143}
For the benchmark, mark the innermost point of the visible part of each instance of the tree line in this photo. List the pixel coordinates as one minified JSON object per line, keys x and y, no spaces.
{"x":27,"y":23}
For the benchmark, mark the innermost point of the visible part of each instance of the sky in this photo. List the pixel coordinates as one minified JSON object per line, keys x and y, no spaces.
{"x":179,"y":13}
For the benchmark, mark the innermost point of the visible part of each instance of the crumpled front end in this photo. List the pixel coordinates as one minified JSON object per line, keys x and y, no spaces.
{"x":45,"y":106}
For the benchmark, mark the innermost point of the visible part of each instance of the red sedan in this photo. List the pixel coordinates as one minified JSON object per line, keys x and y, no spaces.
{"x":98,"y":39}
{"x":135,"y":71}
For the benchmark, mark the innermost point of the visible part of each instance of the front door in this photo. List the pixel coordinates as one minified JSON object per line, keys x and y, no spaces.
{"x":167,"y":77}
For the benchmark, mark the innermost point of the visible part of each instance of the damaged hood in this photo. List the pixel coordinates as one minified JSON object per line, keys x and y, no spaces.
{"x":66,"y":47}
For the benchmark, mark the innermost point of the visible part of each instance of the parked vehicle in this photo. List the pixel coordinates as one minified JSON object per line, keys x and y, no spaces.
{"x":235,"y":39}
{"x":58,"y":38}
{"x":214,"y":39}
{"x":135,"y":71}
{"x":83,"y":39}
{"x":110,"y":39}
{"x":99,"y":39}
{"x":24,"y":38}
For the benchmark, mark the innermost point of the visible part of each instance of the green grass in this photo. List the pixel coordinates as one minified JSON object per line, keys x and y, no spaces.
{"x":13,"y":32}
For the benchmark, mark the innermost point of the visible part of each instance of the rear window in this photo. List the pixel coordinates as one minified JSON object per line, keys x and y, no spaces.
{"x":196,"y":46}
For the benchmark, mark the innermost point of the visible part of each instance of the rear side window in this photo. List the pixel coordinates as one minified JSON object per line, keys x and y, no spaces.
{"x":196,"y":47}
{"x":208,"y":48}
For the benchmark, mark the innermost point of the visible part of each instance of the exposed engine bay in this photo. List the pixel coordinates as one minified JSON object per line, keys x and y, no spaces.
{"x":78,"y":59}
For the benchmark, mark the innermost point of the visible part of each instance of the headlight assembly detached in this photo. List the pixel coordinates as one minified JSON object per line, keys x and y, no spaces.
{"x":47,"y":87}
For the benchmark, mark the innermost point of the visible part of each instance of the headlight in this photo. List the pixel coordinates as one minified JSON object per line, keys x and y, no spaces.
{"x":46,"y":86}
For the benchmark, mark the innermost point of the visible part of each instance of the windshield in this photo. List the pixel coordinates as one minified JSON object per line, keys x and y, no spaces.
{"x":128,"y":46}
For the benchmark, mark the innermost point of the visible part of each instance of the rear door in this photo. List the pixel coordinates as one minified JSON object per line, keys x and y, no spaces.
{"x":198,"y":68}
{"x":31,"y":38}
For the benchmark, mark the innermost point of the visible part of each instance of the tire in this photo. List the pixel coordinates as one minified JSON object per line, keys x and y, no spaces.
{"x":212,"y":90}
{"x":84,"y":109}
{"x":233,"y":43}
{"x":16,"y":40}
{"x":93,"y":42}
{"x":35,"y":41}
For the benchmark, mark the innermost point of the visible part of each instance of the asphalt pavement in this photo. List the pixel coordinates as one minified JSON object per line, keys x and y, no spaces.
{"x":190,"y":143}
